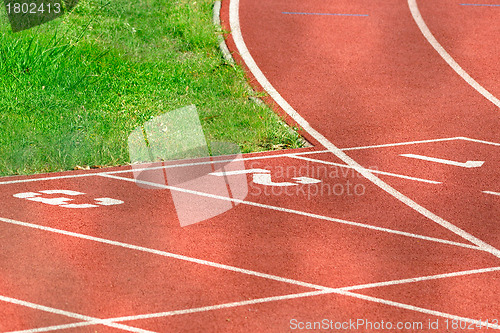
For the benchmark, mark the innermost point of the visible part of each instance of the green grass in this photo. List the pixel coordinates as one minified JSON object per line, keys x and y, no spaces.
{"x":73,"y":89}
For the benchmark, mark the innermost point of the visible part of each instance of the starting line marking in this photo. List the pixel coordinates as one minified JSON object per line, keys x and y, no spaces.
{"x":277,"y":298}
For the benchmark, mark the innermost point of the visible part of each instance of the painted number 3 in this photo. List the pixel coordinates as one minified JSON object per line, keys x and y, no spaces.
{"x":63,"y":202}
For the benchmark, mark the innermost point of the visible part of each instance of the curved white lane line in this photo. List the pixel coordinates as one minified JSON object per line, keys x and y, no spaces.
{"x":234,"y":22}
{"x":446,"y":56}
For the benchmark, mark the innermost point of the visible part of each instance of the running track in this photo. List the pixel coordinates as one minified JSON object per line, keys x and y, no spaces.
{"x":391,"y":223}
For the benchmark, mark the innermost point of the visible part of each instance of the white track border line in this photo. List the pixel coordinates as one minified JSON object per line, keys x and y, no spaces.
{"x":19,"y":181}
{"x":264,"y":82}
{"x":197,"y":163}
{"x":371,"y":170}
{"x":277,"y":155}
{"x":268,"y":299}
{"x":142,"y":169}
{"x":301,"y":213}
{"x":412,"y":4}
{"x":87,"y":319}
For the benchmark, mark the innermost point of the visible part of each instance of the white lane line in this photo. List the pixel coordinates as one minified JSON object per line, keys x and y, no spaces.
{"x":423,"y":278}
{"x":264,"y":82}
{"x":239,"y":172}
{"x":267,"y":299}
{"x":54,"y":327}
{"x":479,"y":141}
{"x":297,"y":212}
{"x":89,"y":319}
{"x":491,"y":192}
{"x":186,"y":311}
{"x":45,"y":178}
{"x":146,"y":168}
{"x":467,"y":164}
{"x":412,"y":4}
{"x":371,"y":170}
{"x":402,"y":144}
{"x":165,"y":254}
{"x":195,"y":164}
{"x":417,"y":309}
{"x":243,"y":159}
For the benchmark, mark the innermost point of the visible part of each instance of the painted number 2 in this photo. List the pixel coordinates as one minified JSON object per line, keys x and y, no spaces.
{"x":63,"y":201}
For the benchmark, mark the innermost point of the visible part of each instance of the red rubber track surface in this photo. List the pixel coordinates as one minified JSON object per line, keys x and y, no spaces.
{"x":339,"y":249}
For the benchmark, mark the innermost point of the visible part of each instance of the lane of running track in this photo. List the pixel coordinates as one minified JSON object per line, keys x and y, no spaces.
{"x":361,"y":80}
{"x":363,"y":74}
{"x":374,"y":79}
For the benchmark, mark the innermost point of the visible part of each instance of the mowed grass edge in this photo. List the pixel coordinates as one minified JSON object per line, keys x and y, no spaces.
{"x":73,"y":89}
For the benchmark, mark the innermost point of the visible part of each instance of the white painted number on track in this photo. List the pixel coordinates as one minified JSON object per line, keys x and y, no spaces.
{"x":63,"y":201}
{"x":263,"y":177}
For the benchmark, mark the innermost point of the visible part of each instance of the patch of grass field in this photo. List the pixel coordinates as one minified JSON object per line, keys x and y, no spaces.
{"x":73,"y":89}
